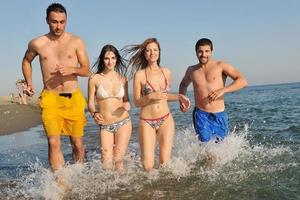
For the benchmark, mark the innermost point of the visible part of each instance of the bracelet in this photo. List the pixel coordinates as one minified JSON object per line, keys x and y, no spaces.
{"x":93,"y":115}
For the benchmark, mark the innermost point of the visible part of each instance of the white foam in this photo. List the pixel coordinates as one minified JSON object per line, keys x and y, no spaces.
{"x":89,"y":180}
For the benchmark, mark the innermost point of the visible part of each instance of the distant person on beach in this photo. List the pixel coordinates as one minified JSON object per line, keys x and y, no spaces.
{"x":208,"y":78}
{"x":109,"y":87}
{"x":21,"y":88}
{"x":62,"y":59}
{"x":151,"y":86}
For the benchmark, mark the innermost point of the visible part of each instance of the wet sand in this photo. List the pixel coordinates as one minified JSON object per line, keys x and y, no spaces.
{"x":15,"y":117}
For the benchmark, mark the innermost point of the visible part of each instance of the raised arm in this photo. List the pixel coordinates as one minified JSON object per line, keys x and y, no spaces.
{"x":239,"y":82}
{"x":30,"y":54}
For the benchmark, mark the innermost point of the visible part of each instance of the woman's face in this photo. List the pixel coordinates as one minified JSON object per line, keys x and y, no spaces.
{"x":110,"y":60}
{"x":152,"y":52}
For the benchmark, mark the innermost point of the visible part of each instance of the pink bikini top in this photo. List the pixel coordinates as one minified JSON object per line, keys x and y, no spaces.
{"x":148,"y":88}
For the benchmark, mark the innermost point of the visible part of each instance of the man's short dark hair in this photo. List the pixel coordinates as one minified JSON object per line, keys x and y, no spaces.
{"x":56,"y":7}
{"x":202,"y":42}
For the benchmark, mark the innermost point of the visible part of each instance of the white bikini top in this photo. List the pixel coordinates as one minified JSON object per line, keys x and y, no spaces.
{"x":101,"y":93}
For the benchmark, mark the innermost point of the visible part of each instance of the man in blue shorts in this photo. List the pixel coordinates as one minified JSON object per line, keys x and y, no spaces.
{"x":208,"y":78}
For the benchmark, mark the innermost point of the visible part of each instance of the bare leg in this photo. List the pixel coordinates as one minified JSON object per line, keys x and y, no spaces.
{"x":147,"y":139}
{"x":165,"y":137}
{"x":55,"y":156}
{"x":106,"y":143}
{"x":122,"y":138}
{"x":77,"y":149}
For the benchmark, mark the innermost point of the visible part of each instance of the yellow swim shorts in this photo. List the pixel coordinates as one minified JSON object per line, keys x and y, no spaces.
{"x":63,"y":113}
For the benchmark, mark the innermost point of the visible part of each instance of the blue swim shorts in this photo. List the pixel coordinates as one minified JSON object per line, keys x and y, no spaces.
{"x":210,"y":125}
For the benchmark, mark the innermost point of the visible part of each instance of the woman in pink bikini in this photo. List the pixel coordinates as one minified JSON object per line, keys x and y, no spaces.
{"x":109,"y":87}
{"x":150,"y":89}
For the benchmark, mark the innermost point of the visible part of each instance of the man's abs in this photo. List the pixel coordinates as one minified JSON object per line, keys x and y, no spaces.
{"x":61,"y":84}
{"x":205,"y":104}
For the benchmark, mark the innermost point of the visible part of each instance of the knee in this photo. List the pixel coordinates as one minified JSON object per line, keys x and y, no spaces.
{"x":54,"y":143}
{"x":106,"y":154}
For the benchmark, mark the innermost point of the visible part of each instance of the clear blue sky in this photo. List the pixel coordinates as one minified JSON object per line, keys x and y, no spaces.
{"x":259,"y":37}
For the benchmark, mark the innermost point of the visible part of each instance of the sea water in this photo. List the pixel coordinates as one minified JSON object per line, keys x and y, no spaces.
{"x":260,"y":158}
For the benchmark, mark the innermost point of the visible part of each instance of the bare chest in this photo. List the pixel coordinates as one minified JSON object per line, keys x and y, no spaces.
{"x":61,"y":53}
{"x":210,"y":77}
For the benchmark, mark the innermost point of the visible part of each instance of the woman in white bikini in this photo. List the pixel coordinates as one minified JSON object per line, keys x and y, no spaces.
{"x":109,"y":87}
{"x":150,"y":89}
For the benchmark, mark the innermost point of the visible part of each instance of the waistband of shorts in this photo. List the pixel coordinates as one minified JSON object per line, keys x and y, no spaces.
{"x":222,"y":113}
{"x":59,"y":94}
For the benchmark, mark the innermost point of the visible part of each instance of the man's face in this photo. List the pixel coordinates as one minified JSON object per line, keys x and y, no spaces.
{"x":204,"y":54}
{"x":57,"y":23}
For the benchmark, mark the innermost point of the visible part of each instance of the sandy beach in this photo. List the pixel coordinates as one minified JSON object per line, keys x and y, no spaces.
{"x":15,"y":117}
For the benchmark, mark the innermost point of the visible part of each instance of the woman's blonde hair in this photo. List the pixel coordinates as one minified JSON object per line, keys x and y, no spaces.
{"x":136,"y":54}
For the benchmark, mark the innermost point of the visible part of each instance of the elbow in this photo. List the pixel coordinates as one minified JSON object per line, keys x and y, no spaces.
{"x":88,"y":73}
{"x":83,"y":72}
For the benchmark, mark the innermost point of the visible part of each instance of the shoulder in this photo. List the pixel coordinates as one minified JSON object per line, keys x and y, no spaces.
{"x":191,"y":69}
{"x":139,"y":73}
{"x":74,"y":38}
{"x":166,"y":70}
{"x":38,"y":42}
{"x":94,"y":78}
{"x":139,"y":76}
{"x":221,"y":63}
{"x":122,"y":78}
{"x":224,"y":65}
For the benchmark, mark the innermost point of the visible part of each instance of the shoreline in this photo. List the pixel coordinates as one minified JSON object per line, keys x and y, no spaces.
{"x":15,"y":117}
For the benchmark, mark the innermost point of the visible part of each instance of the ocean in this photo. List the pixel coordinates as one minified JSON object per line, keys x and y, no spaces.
{"x":260,"y":158}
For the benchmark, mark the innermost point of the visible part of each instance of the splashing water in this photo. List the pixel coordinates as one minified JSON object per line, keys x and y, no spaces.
{"x":238,"y":163}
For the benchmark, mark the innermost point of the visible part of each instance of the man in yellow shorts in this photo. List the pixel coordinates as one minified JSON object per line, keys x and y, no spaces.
{"x":62,"y":58}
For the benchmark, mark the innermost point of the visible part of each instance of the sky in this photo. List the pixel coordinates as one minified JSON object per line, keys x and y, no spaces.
{"x":258,"y":37}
